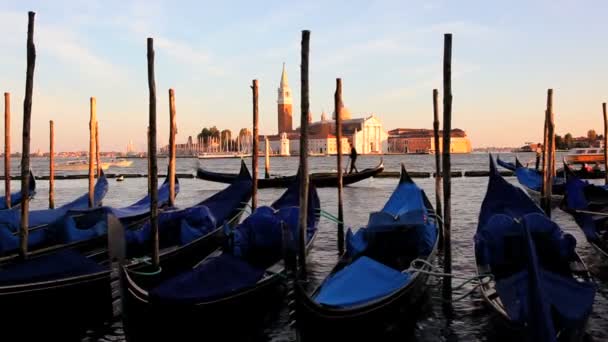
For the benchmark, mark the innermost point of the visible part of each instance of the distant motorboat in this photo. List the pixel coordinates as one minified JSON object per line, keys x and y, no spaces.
{"x":223,"y":155}
{"x":585,"y":155}
{"x":120,"y":178}
{"x":76,"y":165}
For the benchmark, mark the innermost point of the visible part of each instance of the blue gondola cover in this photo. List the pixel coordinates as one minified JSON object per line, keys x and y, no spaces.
{"x":362,"y":281}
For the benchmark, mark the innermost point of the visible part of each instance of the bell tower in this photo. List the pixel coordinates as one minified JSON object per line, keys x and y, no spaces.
{"x":284,"y":104}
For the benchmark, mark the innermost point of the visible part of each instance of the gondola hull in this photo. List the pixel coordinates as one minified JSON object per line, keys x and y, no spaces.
{"x":57,"y":310}
{"x":389,"y":313}
{"x":320,"y":180}
{"x":316,"y":323}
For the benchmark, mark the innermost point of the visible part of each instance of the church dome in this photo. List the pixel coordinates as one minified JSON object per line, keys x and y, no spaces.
{"x":344,"y":114}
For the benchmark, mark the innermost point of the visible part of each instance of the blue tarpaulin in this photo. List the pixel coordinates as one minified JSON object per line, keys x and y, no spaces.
{"x":58,"y":265}
{"x":362,"y":281}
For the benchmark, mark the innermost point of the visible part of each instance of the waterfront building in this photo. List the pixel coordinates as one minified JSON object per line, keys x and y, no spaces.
{"x":416,"y":140}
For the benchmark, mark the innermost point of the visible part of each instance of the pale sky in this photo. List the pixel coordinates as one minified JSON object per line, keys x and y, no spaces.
{"x":388,"y":53}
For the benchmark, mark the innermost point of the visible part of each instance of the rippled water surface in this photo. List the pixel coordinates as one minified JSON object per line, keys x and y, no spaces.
{"x":470,"y":321}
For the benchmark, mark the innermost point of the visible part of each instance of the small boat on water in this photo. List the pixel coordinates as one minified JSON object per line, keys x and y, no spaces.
{"x":588,"y":204}
{"x":319,"y":179}
{"x":531,"y":275}
{"x":372,"y":287}
{"x":532,"y":181}
{"x":77,"y":165}
{"x":229,"y":290}
{"x":583,"y":172}
{"x":589,"y":155}
{"x":16,"y":196}
{"x":72,"y":224}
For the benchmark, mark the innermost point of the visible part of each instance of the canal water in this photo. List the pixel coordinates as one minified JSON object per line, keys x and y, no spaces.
{"x":470,"y":320}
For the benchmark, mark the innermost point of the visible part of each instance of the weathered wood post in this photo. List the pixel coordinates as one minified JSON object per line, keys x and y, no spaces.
{"x":447,"y":185}
{"x":267,"y":158}
{"x":548,"y":169}
{"x":153,"y":175}
{"x":437,"y":160}
{"x":97,"y":150}
{"x":92,"y":120}
{"x":545,"y":154}
{"x":148,"y":156}
{"x":51,"y":165}
{"x":337,"y":110}
{"x":7,"y":148}
{"x":255,"y":154}
{"x":172,"y":151}
{"x":27,"y":119}
{"x":304,"y":106}
{"x":605,"y":143}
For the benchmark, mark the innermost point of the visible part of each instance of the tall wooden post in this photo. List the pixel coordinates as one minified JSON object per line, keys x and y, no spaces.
{"x":447,"y":185}
{"x":267,"y":158}
{"x":153,"y":176}
{"x":545,"y":154}
{"x":437,"y":159}
{"x":97,"y":150}
{"x":549,"y":155}
{"x":255,"y":154}
{"x":605,"y":143}
{"x":148,"y":156}
{"x":304,"y":106}
{"x":172,"y":133}
{"x":92,"y":120}
{"x":7,"y":149}
{"x":51,"y":165}
{"x":27,"y":119}
{"x":338,"y":110}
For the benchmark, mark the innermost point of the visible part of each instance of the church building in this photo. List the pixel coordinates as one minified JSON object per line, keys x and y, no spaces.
{"x":366,"y":134}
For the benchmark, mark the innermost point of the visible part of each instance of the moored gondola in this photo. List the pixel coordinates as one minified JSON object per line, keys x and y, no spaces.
{"x":319,"y":179}
{"x":588,"y":204}
{"x":72,"y":225}
{"x":227,"y":291}
{"x":532,"y":276}
{"x":57,"y":293}
{"x":373,"y":287}
{"x":532,"y":181}
{"x":16,"y":196}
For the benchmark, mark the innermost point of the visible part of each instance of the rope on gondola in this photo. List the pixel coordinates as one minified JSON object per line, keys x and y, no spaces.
{"x":146,"y":260}
{"x":433,"y":271}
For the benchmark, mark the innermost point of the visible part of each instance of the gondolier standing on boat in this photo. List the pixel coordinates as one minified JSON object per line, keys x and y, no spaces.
{"x":353,"y":159}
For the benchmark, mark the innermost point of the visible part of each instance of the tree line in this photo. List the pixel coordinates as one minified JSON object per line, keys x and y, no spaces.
{"x":212,"y":139}
{"x":567,"y":141}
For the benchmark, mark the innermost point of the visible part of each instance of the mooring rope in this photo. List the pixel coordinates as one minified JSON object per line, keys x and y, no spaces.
{"x":146,"y":260}
{"x":434,"y":271}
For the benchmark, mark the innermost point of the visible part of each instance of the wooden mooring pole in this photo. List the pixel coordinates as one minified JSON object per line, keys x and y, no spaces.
{"x":97,"y":150}
{"x":548,"y":170}
{"x":25,"y":151}
{"x":152,"y":176}
{"x":51,"y":165}
{"x":305,"y":108}
{"x":447,"y":185}
{"x":255,"y":154}
{"x":605,"y":143}
{"x":92,"y":154}
{"x":437,"y":161}
{"x":267,"y":158}
{"x":7,"y":149}
{"x":337,"y":110}
{"x":172,"y":151}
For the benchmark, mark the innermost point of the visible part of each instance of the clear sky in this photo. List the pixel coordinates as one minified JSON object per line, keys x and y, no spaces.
{"x":506,"y":54}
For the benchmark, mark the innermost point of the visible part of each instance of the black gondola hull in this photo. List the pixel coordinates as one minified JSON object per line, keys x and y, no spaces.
{"x":57,"y":310}
{"x":320,"y":180}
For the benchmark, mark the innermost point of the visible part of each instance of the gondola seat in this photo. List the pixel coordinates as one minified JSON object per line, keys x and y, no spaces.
{"x":60,"y":265}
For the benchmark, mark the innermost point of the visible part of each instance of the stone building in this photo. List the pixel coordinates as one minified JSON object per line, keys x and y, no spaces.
{"x":415,"y":140}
